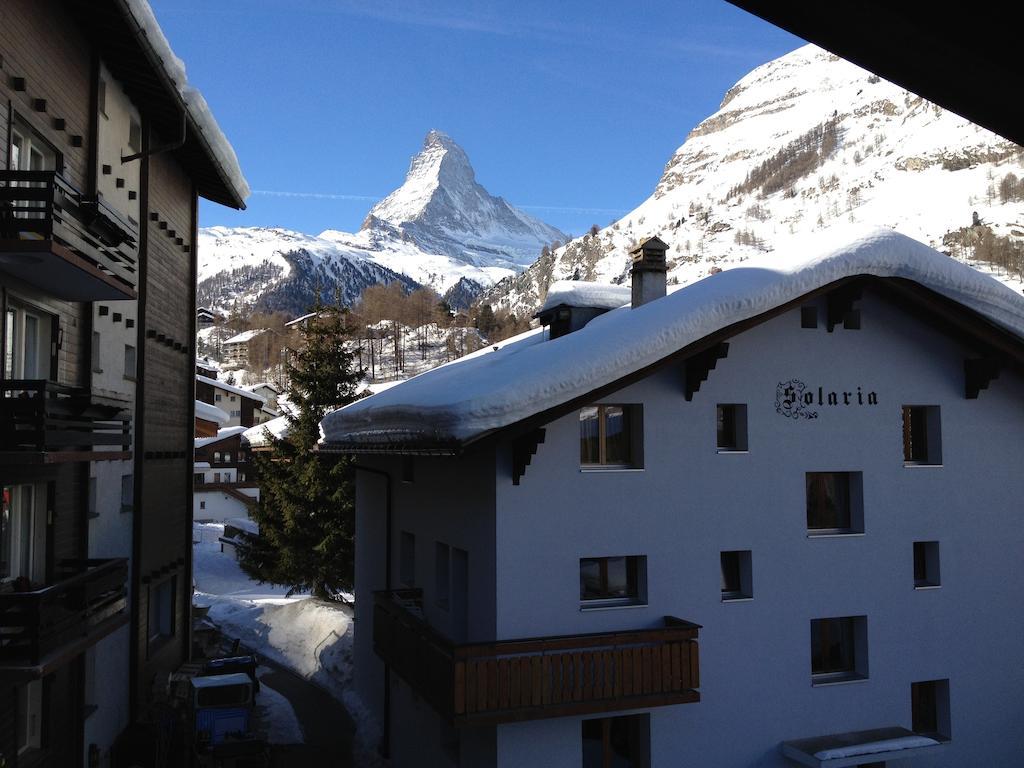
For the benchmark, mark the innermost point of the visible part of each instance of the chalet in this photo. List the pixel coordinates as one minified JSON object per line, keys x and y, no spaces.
{"x":244,"y":347}
{"x":206,"y":317}
{"x":105,"y":154}
{"x":658,"y":539}
{"x":222,"y":485}
{"x":242,"y":406}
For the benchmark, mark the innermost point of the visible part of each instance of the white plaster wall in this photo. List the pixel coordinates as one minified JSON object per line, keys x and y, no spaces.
{"x":219,"y":506}
{"x":690,"y":503}
{"x":111,"y":693}
{"x":448,"y":501}
{"x":112,"y":141}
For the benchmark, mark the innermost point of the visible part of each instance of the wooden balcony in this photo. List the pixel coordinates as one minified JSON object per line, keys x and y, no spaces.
{"x":63,"y":242}
{"x":42,"y":628}
{"x":42,"y":423}
{"x":533,"y":678}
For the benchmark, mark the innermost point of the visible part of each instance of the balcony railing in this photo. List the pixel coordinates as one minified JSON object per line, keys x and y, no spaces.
{"x":533,"y":678}
{"x":40,"y":417}
{"x":39,"y":626}
{"x":37,"y":207}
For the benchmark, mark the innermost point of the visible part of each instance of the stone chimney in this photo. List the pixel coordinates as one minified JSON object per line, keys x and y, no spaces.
{"x":649,"y":271}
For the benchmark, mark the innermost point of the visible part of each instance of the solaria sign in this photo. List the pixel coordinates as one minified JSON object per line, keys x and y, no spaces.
{"x":795,"y":400}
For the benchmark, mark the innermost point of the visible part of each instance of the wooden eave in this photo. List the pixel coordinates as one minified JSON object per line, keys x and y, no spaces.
{"x":110,"y":26}
{"x":934,"y":309}
{"x":928,"y":53}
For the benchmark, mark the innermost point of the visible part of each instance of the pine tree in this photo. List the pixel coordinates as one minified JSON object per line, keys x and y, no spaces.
{"x":306,"y":512}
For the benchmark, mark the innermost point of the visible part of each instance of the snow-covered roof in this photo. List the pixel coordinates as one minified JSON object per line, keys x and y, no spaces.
{"x":231,"y":388}
{"x":244,"y":524}
{"x":245,"y":336}
{"x":222,"y":434}
{"x":201,"y":465}
{"x":580,"y":293}
{"x":208,"y":364}
{"x":529,"y":374}
{"x":256,"y":436}
{"x":267,"y":384}
{"x":209,"y":412}
{"x":151,"y":36}
{"x":298,"y":320}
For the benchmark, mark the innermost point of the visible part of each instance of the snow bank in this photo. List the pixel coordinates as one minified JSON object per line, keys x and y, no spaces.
{"x":261,"y":435}
{"x":282,"y":725}
{"x":198,"y":109}
{"x":580,"y":293}
{"x":493,"y":389}
{"x":874,"y":747}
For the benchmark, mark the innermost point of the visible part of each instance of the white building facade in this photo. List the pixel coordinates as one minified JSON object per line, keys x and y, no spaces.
{"x":818,"y":469}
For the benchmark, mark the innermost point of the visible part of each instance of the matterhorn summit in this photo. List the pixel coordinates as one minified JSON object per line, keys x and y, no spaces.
{"x":440,"y":229}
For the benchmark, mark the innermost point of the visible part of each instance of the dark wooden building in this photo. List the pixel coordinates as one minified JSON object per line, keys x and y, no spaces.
{"x":102,"y":160}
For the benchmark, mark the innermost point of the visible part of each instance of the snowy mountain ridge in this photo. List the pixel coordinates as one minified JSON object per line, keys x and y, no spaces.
{"x":440,"y":229}
{"x":799,"y":145}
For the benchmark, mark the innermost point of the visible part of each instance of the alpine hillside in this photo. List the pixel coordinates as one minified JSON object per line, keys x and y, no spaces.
{"x":440,"y":229}
{"x":803,"y":143}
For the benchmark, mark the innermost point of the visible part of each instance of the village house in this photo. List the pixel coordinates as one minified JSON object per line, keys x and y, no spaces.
{"x":105,"y":154}
{"x":767,"y":519}
{"x":243,"y":407}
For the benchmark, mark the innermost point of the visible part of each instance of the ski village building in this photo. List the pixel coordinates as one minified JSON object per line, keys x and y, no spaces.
{"x":769,"y":519}
{"x":105,"y":152}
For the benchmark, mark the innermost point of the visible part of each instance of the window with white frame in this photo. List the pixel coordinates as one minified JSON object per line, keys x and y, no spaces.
{"x":27,"y":338}
{"x":22,"y":537}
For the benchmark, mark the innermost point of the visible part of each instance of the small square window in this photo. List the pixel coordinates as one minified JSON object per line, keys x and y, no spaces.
{"x":617,"y":741}
{"x":834,"y":503}
{"x":839,"y":649}
{"x":737,"y":580}
{"x":929,"y":708}
{"x":610,"y":436}
{"x":407,"y":559}
{"x":218,"y":398}
{"x":808,"y":317}
{"x":922,"y":435}
{"x":608,"y":581}
{"x":926,"y":564}
{"x":732,"y":427}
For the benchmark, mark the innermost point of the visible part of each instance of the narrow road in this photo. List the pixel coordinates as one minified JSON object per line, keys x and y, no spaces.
{"x":325,"y":723}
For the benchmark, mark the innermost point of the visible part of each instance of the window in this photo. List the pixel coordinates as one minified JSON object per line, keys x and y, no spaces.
{"x":161,"y":610}
{"x":217,"y":398}
{"x":96,"y":352}
{"x":129,"y":361}
{"x":216,"y":457}
{"x":198,"y":478}
{"x":216,"y":477}
{"x":922,"y":443}
{"x":27,"y":338}
{"x":407,"y":559}
{"x":442,"y":574}
{"x":19,"y":533}
{"x":737,"y":582}
{"x":808,"y":317}
{"x":92,"y":512}
{"x":30,"y":151}
{"x":134,"y":135}
{"x":838,"y":649}
{"x":732,"y":427}
{"x":236,"y":414}
{"x":233,"y":398}
{"x":127,"y":494}
{"x":619,"y":742}
{"x":227,"y":458}
{"x":609,"y":436}
{"x":926,"y":564}
{"x":29,"y":708}
{"x":202,"y":505}
{"x":834,"y":503}
{"x":613,"y":580}
{"x":929,"y":707}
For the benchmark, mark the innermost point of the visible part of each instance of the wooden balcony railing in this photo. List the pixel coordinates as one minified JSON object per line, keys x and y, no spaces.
{"x":88,"y":601}
{"x":527,"y":679}
{"x":40,"y":417}
{"x":44,"y":206}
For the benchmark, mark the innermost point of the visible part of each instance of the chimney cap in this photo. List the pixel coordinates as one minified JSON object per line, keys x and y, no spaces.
{"x":650,"y":245}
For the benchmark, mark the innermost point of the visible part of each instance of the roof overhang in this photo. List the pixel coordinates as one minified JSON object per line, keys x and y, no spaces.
{"x":930,"y":53}
{"x":125,"y":49}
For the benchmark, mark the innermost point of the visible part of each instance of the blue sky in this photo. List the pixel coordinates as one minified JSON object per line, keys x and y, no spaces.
{"x":569,"y":110}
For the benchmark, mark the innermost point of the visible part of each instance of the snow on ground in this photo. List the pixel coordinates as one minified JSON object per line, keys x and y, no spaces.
{"x":308,"y":636}
{"x":283,"y":726}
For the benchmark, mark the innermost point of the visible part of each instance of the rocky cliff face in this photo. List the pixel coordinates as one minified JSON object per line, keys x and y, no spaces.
{"x":803,"y":143}
{"x":441,"y":229}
